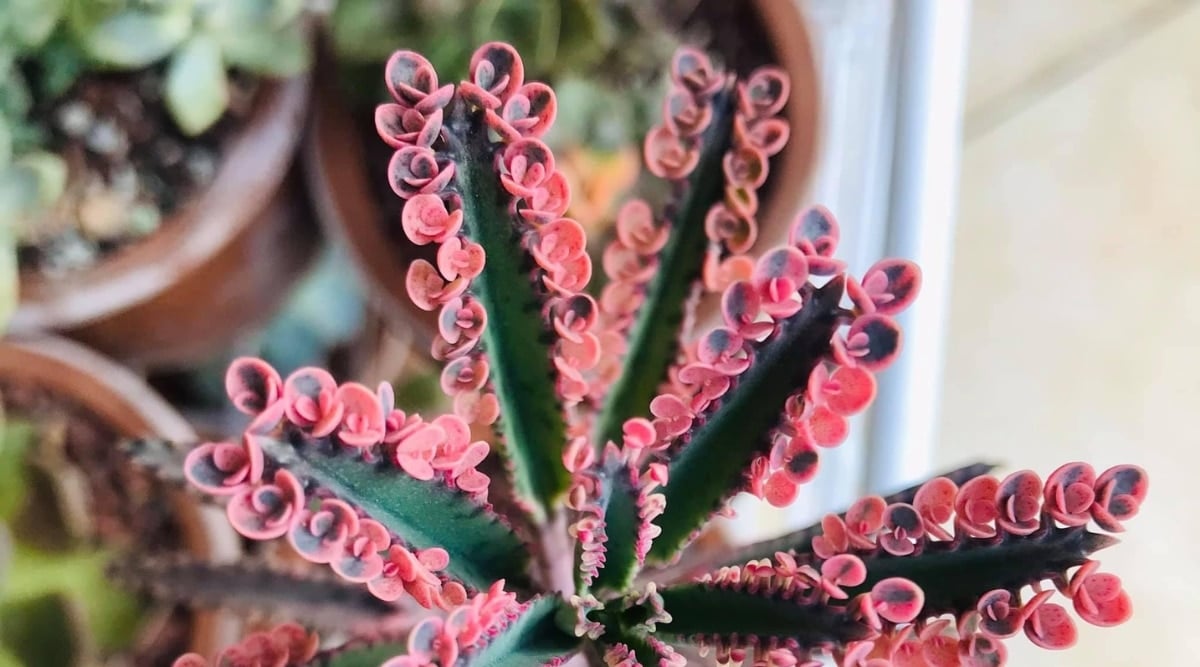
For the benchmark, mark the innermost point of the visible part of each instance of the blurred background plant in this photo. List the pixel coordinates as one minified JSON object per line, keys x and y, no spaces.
{"x":112,"y":113}
{"x":57,"y":606}
{"x":604,"y":59}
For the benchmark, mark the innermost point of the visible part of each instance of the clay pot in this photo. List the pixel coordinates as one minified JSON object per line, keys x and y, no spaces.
{"x":122,"y":402}
{"x":338,"y":174}
{"x":218,"y":267}
{"x":793,"y":167}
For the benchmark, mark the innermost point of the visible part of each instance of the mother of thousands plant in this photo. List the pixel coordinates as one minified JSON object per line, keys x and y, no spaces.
{"x":622,"y":434}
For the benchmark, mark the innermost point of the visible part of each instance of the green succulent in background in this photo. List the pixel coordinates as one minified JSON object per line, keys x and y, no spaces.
{"x":599,"y":53}
{"x":200,"y":41}
{"x":57,"y":605}
{"x":30,"y":178}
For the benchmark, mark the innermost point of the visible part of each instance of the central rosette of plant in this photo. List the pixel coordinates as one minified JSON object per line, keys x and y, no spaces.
{"x":623,"y":433}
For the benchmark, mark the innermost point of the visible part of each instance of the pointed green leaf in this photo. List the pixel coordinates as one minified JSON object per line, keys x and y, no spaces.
{"x":621,"y":522}
{"x":954,"y":576}
{"x":532,"y":639}
{"x":800,"y":541}
{"x":535,"y":638}
{"x":312,"y":597}
{"x":711,"y":466}
{"x":197,"y":91}
{"x":424,"y":514}
{"x":699,"y":609}
{"x":531,"y":420}
{"x":654,"y":337}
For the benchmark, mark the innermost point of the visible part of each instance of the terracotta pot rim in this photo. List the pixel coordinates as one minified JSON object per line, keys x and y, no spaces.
{"x":115,"y":396}
{"x":791,"y":42}
{"x":262,"y":148}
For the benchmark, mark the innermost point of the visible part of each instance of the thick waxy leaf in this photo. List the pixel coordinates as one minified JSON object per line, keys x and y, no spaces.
{"x":197,"y":92}
{"x":800,"y":541}
{"x":654,"y":338}
{"x":698,"y":610}
{"x":531,"y":420}
{"x":136,"y":38}
{"x":954,"y":576}
{"x":317,"y":600}
{"x":424,"y":514}
{"x":711,"y":465}
{"x":533,"y":639}
{"x":621,"y":526}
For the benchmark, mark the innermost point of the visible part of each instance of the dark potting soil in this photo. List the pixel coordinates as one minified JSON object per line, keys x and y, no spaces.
{"x":125,"y":505}
{"x":129,"y":165}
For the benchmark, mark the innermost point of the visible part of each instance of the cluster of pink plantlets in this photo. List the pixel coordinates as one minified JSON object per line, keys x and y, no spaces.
{"x":634,"y":435}
{"x":906,"y":628}
{"x":362,"y":423}
{"x":287,"y":644}
{"x":519,"y":113}
{"x":440,"y":642}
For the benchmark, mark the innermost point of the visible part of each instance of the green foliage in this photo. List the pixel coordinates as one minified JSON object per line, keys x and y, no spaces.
{"x":533,"y":427}
{"x":56,"y":607}
{"x":481,"y":548}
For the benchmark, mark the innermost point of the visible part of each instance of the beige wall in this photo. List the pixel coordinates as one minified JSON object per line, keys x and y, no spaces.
{"x":1075,"y":317}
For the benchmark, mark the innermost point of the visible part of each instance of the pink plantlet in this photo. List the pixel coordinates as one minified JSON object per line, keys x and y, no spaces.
{"x":497,"y":72}
{"x":362,"y":416}
{"x":426,"y":220}
{"x":320,"y":535}
{"x":736,"y":233}
{"x":311,"y":396}
{"x":284,"y":645}
{"x":427,"y":289}
{"x":401,"y":126}
{"x":224,"y":468}
{"x":413,"y":83}
{"x":252,"y":385}
{"x":416,"y":170}
{"x":267,"y":511}
{"x":528,"y":113}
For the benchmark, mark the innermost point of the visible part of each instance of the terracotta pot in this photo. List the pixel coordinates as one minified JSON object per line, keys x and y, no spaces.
{"x":792,"y":168}
{"x":217,"y":268}
{"x":337,"y":171}
{"x":125,"y":404}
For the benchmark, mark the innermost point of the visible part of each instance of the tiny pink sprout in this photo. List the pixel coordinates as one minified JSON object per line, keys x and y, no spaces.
{"x":416,"y":170}
{"x":638,"y":230}
{"x":668,"y":155}
{"x":312,"y":402}
{"x":736,"y":232}
{"x":426,"y":220}
{"x":460,"y":258}
{"x":719,"y":274}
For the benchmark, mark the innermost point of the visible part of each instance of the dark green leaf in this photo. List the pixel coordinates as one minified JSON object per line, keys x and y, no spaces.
{"x":654,"y":337}
{"x":135,"y":38}
{"x":531,"y":420}
{"x":710,"y":467}
{"x":197,"y":91}
{"x":955,"y":576}
{"x":698,"y":609}
{"x":424,"y":514}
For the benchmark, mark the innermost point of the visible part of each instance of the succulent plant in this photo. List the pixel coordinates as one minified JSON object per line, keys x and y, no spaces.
{"x":622,"y":435}
{"x":56,"y":605}
{"x":199,"y":40}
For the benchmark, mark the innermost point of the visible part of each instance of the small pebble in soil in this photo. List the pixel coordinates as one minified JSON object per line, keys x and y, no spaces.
{"x":107,"y":139}
{"x":75,"y":118}
{"x":67,"y":252}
